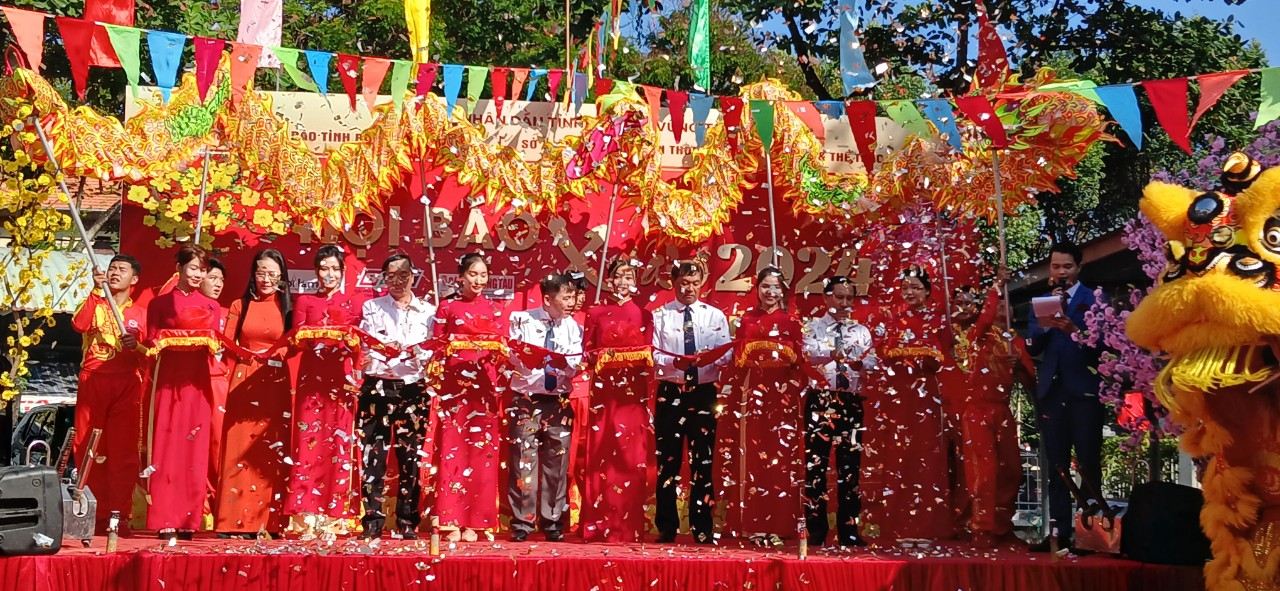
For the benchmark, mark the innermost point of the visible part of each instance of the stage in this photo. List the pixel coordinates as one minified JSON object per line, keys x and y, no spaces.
{"x":348,"y":565}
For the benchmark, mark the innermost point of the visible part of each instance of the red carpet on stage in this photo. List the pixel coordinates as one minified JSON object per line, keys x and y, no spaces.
{"x":349,"y":565}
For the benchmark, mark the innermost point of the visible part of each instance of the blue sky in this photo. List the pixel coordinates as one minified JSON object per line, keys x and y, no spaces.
{"x":1255,"y":19}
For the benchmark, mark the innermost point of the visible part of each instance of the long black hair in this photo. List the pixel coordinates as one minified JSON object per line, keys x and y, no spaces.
{"x":284,"y":299}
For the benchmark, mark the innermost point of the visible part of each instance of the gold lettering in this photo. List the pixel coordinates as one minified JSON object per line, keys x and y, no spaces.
{"x":519,"y":240}
{"x":577,"y":260}
{"x":475,"y":231}
{"x":363,"y":234}
{"x":441,"y":234}
{"x":393,"y":226}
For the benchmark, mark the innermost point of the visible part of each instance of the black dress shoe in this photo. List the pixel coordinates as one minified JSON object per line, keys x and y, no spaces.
{"x":408,"y":533}
{"x":667,"y":538}
{"x":854,"y":542}
{"x":1043,"y":546}
{"x":373,"y":524}
{"x":186,"y":534}
{"x":704,"y":538}
{"x":519,"y":536}
{"x":555,"y":536}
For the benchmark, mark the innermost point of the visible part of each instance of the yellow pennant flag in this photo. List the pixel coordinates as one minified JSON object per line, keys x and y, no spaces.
{"x":417,"y":13}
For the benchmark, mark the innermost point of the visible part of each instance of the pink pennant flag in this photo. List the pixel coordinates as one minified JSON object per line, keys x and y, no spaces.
{"x":810,"y":116}
{"x":676,"y":100}
{"x":375,"y":70}
{"x":208,"y":54}
{"x":862,"y":121}
{"x":28,"y":29}
{"x":553,"y":80}
{"x":427,"y":78}
{"x":1212,"y":87}
{"x":498,"y":77}
{"x":978,"y":109}
{"x":1169,"y":98}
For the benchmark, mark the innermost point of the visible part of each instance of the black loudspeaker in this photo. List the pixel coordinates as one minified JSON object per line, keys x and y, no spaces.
{"x":1163,"y":525}
{"x":30,"y":510}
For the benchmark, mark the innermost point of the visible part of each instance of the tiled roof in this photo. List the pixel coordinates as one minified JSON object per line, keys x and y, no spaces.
{"x":97,"y":195}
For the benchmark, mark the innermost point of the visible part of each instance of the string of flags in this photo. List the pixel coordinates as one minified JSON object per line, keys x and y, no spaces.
{"x":366,"y":75}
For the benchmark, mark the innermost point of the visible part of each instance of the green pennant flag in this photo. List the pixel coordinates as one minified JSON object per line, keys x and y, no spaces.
{"x":700,"y":44}
{"x":762,"y":115}
{"x":1084,"y":88}
{"x":289,"y":59}
{"x":621,"y":89}
{"x":1269,"y":109}
{"x":475,"y":84}
{"x":399,"y":81}
{"x":125,"y":40}
{"x":909,"y":117}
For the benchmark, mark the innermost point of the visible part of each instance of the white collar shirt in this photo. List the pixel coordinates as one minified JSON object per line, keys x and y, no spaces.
{"x":820,"y":336}
{"x":710,"y":330}
{"x":387,"y":322}
{"x":531,"y":326}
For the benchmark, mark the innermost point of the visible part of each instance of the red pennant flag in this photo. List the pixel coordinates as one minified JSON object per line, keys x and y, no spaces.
{"x":676,"y":101}
{"x":978,"y":109}
{"x":653,"y":96}
{"x":498,"y":77}
{"x":28,"y":29}
{"x":348,"y":73}
{"x":553,"y":81}
{"x":603,"y":86}
{"x":113,"y":12}
{"x":993,"y":61}
{"x":208,"y":54}
{"x":426,"y":79}
{"x":1212,"y":87}
{"x":862,"y":121}
{"x":518,"y":79}
{"x":810,"y":116}
{"x":375,"y":69}
{"x":244,"y":62}
{"x":731,"y":108}
{"x":1169,"y":98}
{"x":77,"y":38}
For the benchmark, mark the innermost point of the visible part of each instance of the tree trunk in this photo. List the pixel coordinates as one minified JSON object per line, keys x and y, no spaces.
{"x":800,"y":44}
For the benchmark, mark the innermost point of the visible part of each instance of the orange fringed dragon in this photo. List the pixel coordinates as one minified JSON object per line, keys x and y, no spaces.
{"x":1216,"y":313}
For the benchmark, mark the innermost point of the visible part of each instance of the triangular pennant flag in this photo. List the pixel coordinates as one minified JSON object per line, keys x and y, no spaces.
{"x":499,"y":78}
{"x":349,"y":75}
{"x":853,"y":64}
{"x":653,"y":98}
{"x":289,"y":61}
{"x":832,"y":109}
{"x":375,"y":71}
{"x":426,"y":78}
{"x":553,"y":81}
{"x":1212,"y":87}
{"x":731,"y":110}
{"x":452,"y":86}
{"x":400,"y":82}
{"x":125,"y":40}
{"x":621,"y":90}
{"x":1123,"y":104}
{"x":862,"y":122}
{"x":810,"y":116}
{"x":979,"y":110}
{"x":1084,"y":88}
{"x":580,"y":90}
{"x":106,"y":12}
{"x":908,"y":116}
{"x":318,"y":65}
{"x":77,"y":37}
{"x":518,"y":77}
{"x":603,"y":86}
{"x":166,"y":57}
{"x":533,"y":82}
{"x":993,"y":60}
{"x":208,"y":54}
{"x":939,"y":112}
{"x":762,"y":116}
{"x":676,"y":101}
{"x":475,"y":85}
{"x":1269,"y":108}
{"x":701,"y":105}
{"x":244,"y":62}
{"x":1169,"y":99}
{"x":28,"y":29}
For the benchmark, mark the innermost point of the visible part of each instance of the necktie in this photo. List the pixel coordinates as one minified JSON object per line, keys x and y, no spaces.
{"x":549,"y":376}
{"x":842,"y":379}
{"x":690,"y":347}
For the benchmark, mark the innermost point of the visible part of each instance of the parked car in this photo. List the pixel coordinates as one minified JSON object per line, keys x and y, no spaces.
{"x":49,"y":423}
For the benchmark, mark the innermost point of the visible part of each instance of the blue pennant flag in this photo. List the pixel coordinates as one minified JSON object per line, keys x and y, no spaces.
{"x":1123,"y":104}
{"x":318,"y":63}
{"x":452,"y":85}
{"x":853,"y":65}
{"x":832,"y":109}
{"x":533,"y":82}
{"x":166,"y":56}
{"x":700,"y":104}
{"x":939,"y":112}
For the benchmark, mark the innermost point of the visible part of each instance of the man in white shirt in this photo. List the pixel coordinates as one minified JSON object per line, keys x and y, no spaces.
{"x":393,"y":393}
{"x":686,"y":408}
{"x":839,"y":348}
{"x":540,"y":413}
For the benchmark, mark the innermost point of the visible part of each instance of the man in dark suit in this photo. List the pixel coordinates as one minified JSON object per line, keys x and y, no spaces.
{"x":1067,"y":400}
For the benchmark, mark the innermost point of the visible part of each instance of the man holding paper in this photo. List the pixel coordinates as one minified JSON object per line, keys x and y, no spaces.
{"x":1067,"y":402}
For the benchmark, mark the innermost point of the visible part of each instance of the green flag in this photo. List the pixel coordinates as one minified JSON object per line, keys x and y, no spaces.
{"x":909,"y":117}
{"x":125,"y":41}
{"x":700,"y":44}
{"x":1084,"y":88}
{"x":1269,"y":110}
{"x":399,"y":81}
{"x":289,"y":59}
{"x":475,"y":84}
{"x":762,"y":115}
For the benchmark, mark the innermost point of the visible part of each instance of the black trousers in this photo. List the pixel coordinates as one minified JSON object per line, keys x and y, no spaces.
{"x":685,"y":416}
{"x":386,"y":405}
{"x":1070,"y":421}
{"x":832,"y":420}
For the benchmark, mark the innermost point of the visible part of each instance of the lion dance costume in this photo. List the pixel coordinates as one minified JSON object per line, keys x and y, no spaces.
{"x":1216,"y":313}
